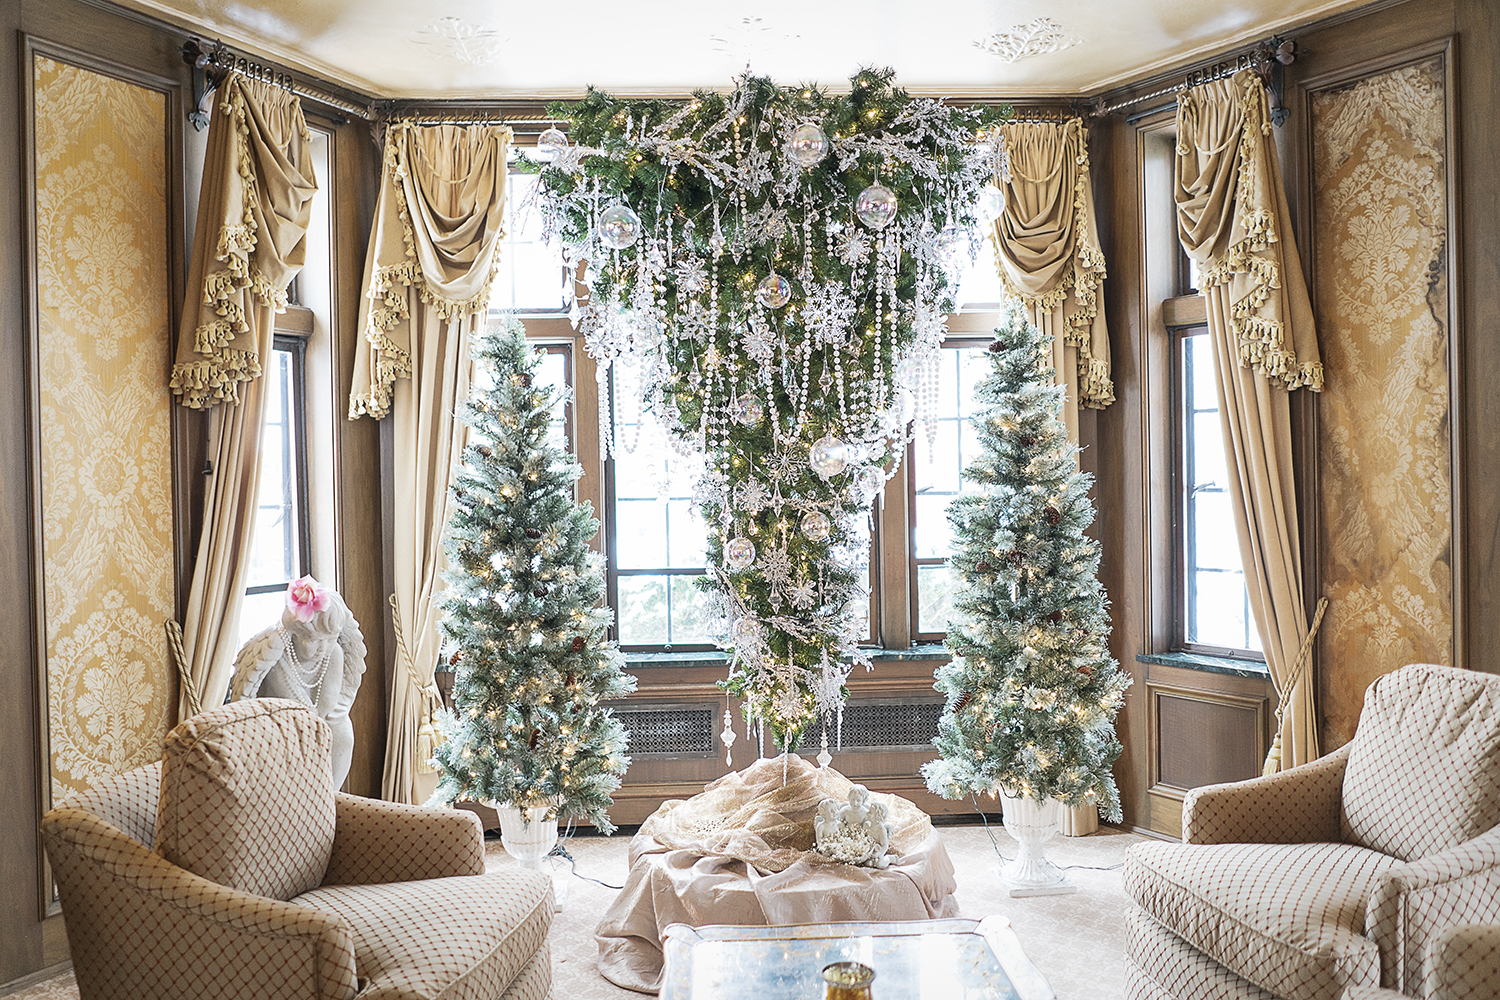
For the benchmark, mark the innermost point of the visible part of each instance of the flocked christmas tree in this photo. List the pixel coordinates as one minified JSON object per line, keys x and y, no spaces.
{"x":1032,"y":690}
{"x":524,"y":616}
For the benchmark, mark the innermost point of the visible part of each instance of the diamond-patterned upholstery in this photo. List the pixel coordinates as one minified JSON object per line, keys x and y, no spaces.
{"x":404,"y":911}
{"x":1463,"y":963}
{"x":1341,"y":876}
{"x":1286,"y":917}
{"x":1434,"y":734}
{"x":247,"y":797}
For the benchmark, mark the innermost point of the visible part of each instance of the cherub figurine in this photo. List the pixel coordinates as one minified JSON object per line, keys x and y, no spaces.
{"x":826,"y":822}
{"x":314,"y":655}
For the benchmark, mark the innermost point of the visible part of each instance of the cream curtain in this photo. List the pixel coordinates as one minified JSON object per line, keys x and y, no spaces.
{"x":253,"y":212}
{"x":427,"y":277}
{"x":1047,"y":245}
{"x":1233,"y":220}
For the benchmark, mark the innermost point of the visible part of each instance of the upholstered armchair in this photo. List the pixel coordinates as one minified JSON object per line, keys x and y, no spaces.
{"x":232,"y":869}
{"x":1349,"y":873}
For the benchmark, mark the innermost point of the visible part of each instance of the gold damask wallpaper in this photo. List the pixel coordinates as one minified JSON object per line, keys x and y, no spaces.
{"x":1380,"y":239}
{"x":102,"y":319}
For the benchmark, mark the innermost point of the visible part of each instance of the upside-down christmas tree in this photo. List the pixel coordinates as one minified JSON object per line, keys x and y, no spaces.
{"x":524,"y":619}
{"x":1032,"y":689}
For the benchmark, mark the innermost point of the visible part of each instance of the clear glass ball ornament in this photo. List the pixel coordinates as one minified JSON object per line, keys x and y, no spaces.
{"x":827,"y":456}
{"x":815,"y":526}
{"x":875,"y":206}
{"x":739,"y":553}
{"x":744,"y":631}
{"x":550,"y":143}
{"x":808,"y":145}
{"x":991,"y":204}
{"x":619,"y":227}
{"x":871,"y":480}
{"x":747,"y":410}
{"x":774,"y":291}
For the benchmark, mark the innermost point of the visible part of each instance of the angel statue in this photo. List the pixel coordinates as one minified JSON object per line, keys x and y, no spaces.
{"x":314,"y":655}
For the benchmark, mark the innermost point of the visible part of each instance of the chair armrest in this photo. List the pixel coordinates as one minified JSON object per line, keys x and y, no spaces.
{"x":1464,"y":962}
{"x":1297,"y":806}
{"x":1415,"y":902}
{"x":139,"y":926}
{"x":375,"y":842}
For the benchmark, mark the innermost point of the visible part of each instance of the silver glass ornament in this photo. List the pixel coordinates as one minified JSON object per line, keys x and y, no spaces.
{"x":739,"y":553}
{"x":871,"y":480}
{"x":808,"y":145}
{"x":815,"y":526}
{"x":619,"y":227}
{"x":550,"y":143}
{"x":827,"y":456}
{"x":774,"y":291}
{"x":747,"y":410}
{"x":875,"y":206}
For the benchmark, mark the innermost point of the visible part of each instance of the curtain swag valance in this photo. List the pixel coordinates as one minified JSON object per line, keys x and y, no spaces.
{"x":1047,"y":244}
{"x":1233,"y":219}
{"x":253,"y":213}
{"x":437,"y":229}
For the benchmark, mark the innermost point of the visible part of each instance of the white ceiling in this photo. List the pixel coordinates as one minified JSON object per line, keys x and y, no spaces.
{"x":484,"y":49}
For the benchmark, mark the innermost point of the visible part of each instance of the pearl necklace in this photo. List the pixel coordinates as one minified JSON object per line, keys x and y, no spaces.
{"x":310,"y":678}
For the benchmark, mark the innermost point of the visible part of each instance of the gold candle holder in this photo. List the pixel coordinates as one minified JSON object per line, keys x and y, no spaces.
{"x":847,"y":981}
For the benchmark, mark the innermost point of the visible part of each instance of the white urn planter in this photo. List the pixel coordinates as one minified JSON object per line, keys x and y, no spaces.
{"x":1032,"y":824}
{"x":529,"y":837}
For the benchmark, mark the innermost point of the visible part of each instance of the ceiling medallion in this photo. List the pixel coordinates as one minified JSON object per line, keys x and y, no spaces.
{"x":460,"y":40}
{"x":1034,"y":38}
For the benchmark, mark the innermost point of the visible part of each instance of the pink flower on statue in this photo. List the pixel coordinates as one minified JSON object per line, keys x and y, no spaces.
{"x":305,"y":598}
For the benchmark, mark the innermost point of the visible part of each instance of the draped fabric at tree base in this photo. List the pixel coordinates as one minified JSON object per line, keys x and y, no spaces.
{"x":1048,"y":248}
{"x":1233,"y":220}
{"x":1047,"y":245}
{"x":253,"y":213}
{"x":432,"y":258}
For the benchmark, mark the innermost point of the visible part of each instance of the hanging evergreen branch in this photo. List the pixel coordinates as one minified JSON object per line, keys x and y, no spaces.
{"x":1032,"y":689}
{"x":524,"y":618}
{"x":779,"y":260}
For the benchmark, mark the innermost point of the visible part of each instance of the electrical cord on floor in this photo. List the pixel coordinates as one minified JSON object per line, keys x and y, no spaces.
{"x":1002,"y":857}
{"x":561,"y":851}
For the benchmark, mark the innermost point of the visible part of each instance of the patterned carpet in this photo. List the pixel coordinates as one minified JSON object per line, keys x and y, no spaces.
{"x":1077,"y":941}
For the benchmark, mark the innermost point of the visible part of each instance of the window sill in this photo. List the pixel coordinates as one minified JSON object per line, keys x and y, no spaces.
{"x":1208,"y":664}
{"x":715,"y":658}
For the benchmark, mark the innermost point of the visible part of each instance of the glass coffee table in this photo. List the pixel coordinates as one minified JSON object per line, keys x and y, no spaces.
{"x":952,"y":959}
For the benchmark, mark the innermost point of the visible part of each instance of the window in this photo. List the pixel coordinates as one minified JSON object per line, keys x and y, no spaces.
{"x":658,"y":546}
{"x":1213,"y":604}
{"x":935,"y":464}
{"x":280,"y":539}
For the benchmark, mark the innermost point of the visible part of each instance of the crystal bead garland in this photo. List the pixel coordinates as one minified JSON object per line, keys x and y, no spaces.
{"x":776,"y":296}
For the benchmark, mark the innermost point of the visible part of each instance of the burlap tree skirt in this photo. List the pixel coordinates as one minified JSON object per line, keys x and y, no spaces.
{"x":741,"y":853}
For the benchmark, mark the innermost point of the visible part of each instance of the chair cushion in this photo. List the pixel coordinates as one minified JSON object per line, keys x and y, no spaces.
{"x":1287,"y":917}
{"x":1169,"y":964}
{"x":1424,"y":767}
{"x":442,"y":939}
{"x":247,"y":797}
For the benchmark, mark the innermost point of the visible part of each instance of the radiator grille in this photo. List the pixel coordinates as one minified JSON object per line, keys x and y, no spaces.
{"x":879,"y":725}
{"x":670,"y":731}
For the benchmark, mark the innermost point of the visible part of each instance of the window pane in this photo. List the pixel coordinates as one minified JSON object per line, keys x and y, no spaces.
{"x":641,"y":533}
{"x":689,"y":611}
{"x":1208,"y":451}
{"x":1215,"y":607}
{"x":936,"y":472}
{"x":259,"y":612}
{"x":1222,"y":614}
{"x":686,"y":537}
{"x":530,"y":271}
{"x":980,"y":284}
{"x":936,"y":586}
{"x":642,"y":614}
